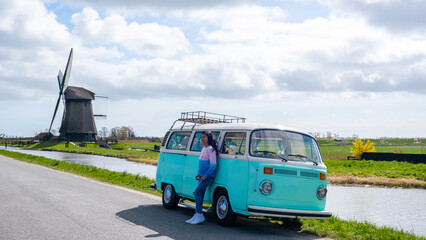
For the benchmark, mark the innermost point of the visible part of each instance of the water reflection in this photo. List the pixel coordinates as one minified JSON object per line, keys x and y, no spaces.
{"x":398,"y":208}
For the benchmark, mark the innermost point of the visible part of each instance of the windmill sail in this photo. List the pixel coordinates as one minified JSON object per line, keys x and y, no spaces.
{"x":63,"y":83}
{"x":66,"y":78}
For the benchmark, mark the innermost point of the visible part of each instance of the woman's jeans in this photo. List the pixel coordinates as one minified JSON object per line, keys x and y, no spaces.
{"x":199,"y":193}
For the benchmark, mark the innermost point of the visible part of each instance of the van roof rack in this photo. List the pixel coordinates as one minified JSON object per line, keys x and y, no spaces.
{"x":201,"y":117}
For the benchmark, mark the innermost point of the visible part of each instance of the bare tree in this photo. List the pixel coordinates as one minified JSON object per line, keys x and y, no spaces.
{"x":103,"y":133}
{"x":114,"y":132}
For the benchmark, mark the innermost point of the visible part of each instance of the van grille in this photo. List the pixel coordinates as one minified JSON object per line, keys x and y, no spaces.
{"x":309,"y":174}
{"x":285,"y":172}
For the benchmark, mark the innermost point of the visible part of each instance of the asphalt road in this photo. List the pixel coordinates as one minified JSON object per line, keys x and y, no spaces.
{"x":41,"y":203}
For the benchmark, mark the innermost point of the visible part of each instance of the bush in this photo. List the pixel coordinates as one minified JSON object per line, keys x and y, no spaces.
{"x":361,"y":147}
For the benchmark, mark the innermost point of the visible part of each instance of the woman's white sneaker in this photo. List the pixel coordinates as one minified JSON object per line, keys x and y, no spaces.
{"x":192,"y":219}
{"x":198,"y":219}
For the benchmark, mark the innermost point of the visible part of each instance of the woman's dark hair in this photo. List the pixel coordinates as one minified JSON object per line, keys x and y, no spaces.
{"x":211,"y":141}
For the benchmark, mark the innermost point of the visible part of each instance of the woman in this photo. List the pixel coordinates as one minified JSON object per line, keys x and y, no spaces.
{"x":205,"y":176}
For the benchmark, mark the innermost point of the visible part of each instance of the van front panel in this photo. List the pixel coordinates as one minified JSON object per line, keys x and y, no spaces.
{"x":293,"y":187}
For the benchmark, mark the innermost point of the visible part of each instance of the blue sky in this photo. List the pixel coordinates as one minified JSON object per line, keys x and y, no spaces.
{"x":347,"y":67}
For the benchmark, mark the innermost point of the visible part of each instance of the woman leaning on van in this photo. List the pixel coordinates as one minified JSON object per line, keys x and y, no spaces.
{"x":205,"y":176}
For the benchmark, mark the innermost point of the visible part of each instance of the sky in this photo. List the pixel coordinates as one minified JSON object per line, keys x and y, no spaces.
{"x":347,"y":67}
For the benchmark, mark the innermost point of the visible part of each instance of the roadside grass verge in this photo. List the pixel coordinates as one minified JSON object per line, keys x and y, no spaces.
{"x":124,"y":179}
{"x":349,"y":229}
{"x":331,"y":228}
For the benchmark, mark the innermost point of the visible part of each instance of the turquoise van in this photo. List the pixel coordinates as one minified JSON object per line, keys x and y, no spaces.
{"x":262,"y":170}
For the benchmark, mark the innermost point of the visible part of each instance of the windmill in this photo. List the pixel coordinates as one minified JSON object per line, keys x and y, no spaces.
{"x":78,"y":123}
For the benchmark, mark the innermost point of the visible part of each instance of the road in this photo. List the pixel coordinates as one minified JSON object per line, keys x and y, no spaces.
{"x":40,"y":203}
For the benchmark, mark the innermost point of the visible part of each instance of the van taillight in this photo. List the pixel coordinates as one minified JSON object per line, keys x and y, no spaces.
{"x":322,"y":176}
{"x":267,"y":170}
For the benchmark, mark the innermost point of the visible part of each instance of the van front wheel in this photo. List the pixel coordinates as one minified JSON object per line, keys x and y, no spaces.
{"x":170,"y":198}
{"x":223,"y":210}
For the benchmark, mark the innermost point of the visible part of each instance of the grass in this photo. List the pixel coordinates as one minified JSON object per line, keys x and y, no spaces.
{"x":341,"y":152}
{"x":381,"y":173}
{"x":339,"y":229}
{"x":369,"y":168}
{"x":141,"y":145}
{"x":134,"y":155}
{"x":331,"y":228}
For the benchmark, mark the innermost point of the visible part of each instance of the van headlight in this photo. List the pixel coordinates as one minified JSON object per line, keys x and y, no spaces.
{"x":321,"y":192}
{"x":265,"y":187}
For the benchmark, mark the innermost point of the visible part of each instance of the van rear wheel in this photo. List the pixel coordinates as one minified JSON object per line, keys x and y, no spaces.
{"x":170,"y":198}
{"x":223,"y":210}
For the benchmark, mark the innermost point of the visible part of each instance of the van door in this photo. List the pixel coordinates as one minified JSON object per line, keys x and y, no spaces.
{"x":174,"y":159}
{"x":191,"y":165}
{"x":232,"y":172}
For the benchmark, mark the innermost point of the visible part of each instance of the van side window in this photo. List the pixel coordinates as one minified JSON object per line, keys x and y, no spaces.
{"x":179,"y":140}
{"x":196,"y":142}
{"x":234,"y":143}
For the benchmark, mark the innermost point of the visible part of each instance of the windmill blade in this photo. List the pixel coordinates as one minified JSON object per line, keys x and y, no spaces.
{"x":60,"y":77}
{"x":66,"y":77}
{"x":54,"y":113}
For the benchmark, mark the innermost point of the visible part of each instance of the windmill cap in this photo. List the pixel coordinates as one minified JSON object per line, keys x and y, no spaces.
{"x":78,"y":93}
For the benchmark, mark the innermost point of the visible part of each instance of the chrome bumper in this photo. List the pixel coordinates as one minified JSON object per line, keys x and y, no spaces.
{"x":287,"y":213}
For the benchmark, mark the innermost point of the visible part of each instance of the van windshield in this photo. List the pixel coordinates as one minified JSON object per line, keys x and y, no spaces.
{"x":287,"y":146}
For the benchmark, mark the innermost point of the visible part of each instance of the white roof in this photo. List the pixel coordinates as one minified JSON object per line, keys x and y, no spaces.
{"x":236,"y":126}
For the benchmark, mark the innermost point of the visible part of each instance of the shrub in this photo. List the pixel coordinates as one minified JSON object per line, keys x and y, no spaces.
{"x":361,"y":147}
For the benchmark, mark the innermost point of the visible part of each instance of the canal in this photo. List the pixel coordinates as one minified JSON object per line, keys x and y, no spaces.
{"x":393,"y":207}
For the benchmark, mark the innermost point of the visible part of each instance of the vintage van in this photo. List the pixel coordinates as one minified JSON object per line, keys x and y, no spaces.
{"x":262,"y":170}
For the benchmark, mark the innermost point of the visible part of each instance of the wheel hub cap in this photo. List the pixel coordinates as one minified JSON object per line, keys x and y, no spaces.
{"x":222,"y":207}
{"x":168,"y":194}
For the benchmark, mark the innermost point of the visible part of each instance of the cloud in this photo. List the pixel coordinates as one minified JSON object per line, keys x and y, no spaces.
{"x":150,"y":39}
{"x":239,"y":52}
{"x":394,"y":15}
{"x":27,"y":23}
{"x":134,"y":5}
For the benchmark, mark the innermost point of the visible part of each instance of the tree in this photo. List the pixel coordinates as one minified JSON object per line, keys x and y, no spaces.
{"x":359,"y":148}
{"x":103,"y":133}
{"x":114,"y":132}
{"x":122,"y":133}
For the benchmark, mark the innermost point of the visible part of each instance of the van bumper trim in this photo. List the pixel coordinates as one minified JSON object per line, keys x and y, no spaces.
{"x":291,"y":213}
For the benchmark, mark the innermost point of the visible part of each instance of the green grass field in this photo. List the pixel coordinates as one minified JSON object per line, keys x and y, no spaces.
{"x":364,"y":168}
{"x":142,"y":145}
{"x":342,"y":152}
{"x":89,"y":149}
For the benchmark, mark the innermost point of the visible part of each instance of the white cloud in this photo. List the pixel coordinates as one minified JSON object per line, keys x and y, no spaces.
{"x":132,"y":5}
{"x":149,"y":39}
{"x":241,"y":59}
{"x":26,"y":23}
{"x":394,"y":15}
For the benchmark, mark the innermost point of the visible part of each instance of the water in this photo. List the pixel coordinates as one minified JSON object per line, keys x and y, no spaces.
{"x":398,"y":208}
{"x":110,"y":163}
